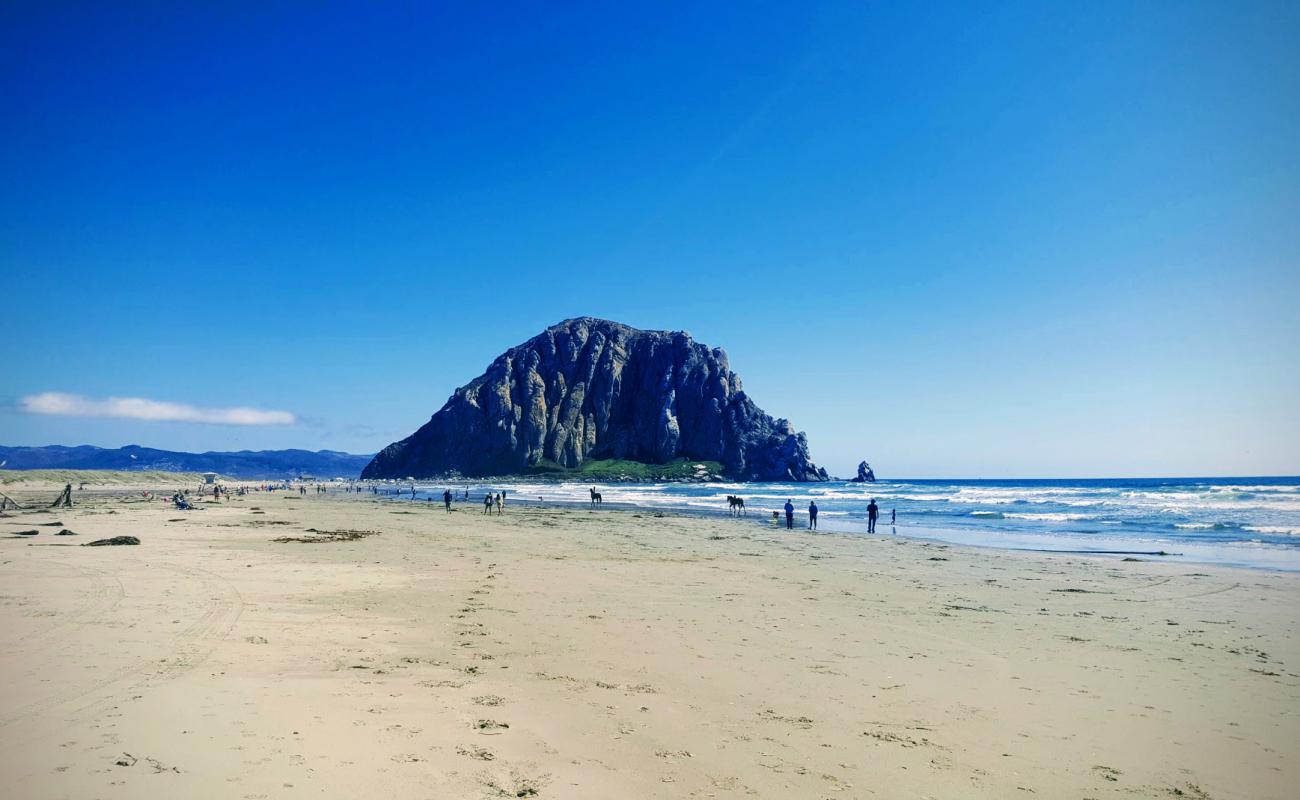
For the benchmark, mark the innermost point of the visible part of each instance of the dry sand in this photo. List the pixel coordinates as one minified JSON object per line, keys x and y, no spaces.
{"x":612,"y":654}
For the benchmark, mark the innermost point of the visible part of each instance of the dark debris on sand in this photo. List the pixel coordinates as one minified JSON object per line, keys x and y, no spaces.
{"x":116,"y":540}
{"x":326,"y":536}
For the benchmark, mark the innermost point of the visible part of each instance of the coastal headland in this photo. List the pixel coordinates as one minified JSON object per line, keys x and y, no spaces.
{"x":340,"y":645}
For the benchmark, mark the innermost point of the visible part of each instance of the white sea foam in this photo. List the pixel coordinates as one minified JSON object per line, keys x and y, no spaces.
{"x":1048,"y":516}
{"x":1276,"y":530}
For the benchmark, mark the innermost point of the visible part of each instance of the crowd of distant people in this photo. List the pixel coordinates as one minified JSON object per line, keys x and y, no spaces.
{"x":494,"y":501}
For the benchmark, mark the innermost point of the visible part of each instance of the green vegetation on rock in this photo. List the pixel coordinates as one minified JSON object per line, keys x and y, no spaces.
{"x":618,"y":469}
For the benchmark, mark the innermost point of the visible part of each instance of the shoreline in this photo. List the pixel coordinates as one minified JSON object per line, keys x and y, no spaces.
{"x":1212,"y":556}
{"x":1271,"y":558}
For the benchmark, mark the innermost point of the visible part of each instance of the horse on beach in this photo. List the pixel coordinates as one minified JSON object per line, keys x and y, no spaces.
{"x":595,"y":496}
{"x":736,"y":504}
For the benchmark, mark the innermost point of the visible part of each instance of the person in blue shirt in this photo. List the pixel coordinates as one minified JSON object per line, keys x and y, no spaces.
{"x":789,"y":515}
{"x":812,"y":515}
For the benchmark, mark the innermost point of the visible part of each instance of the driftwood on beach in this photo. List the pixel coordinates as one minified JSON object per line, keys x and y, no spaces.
{"x":64,"y":498}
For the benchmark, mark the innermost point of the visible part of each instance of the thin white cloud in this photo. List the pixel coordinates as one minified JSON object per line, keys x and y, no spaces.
{"x":72,"y":405}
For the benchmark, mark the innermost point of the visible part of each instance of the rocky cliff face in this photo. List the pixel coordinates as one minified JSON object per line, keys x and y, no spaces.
{"x":593,"y":389}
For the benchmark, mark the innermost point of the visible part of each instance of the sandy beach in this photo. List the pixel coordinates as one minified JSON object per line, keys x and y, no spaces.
{"x":277,"y":646}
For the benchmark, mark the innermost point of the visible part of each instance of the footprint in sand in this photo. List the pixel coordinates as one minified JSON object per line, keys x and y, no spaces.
{"x":798,"y":722}
{"x":516,"y":784}
{"x":894,"y":738}
{"x":475,"y":752}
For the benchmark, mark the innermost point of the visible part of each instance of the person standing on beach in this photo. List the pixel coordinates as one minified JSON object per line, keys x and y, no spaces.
{"x":893,"y":517}
{"x":812,"y":515}
{"x":487,"y":503}
{"x":789,"y":515}
{"x":501,"y":501}
{"x":446,"y":500}
{"x":873,"y":511}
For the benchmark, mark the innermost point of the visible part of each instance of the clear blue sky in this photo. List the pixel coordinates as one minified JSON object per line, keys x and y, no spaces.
{"x":1038,"y":239}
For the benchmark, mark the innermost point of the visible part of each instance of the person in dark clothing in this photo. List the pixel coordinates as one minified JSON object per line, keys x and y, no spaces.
{"x":789,"y":515}
{"x":812,"y":515}
{"x":487,"y":503}
{"x":446,"y":500}
{"x":873,"y":511}
{"x":893,"y":516}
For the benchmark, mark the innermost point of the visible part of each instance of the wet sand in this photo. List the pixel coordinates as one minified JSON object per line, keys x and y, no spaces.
{"x":594,"y":654}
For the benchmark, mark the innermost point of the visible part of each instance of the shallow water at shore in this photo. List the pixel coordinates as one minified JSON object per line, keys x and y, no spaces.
{"x":1252,"y":522}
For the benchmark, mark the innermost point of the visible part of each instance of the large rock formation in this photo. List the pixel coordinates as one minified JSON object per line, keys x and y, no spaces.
{"x":590,"y":389}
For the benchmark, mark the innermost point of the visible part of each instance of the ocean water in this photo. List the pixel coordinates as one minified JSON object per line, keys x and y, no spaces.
{"x":1242,"y":521}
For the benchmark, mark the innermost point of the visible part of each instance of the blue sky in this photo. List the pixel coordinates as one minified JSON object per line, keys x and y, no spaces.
{"x":957,"y":240}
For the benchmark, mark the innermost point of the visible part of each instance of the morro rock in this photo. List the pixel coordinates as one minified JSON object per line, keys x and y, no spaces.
{"x":590,"y":389}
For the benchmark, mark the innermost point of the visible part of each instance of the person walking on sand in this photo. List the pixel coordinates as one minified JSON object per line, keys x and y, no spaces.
{"x":446,"y":500}
{"x":487,"y":503}
{"x":789,"y":515}
{"x":873,"y":511}
{"x":812,"y":515}
{"x":500,"y":502}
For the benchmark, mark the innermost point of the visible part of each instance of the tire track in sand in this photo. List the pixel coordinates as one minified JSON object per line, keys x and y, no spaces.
{"x":221,"y":608}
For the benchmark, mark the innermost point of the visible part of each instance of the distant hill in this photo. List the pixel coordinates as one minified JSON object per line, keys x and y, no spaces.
{"x":241,"y":464}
